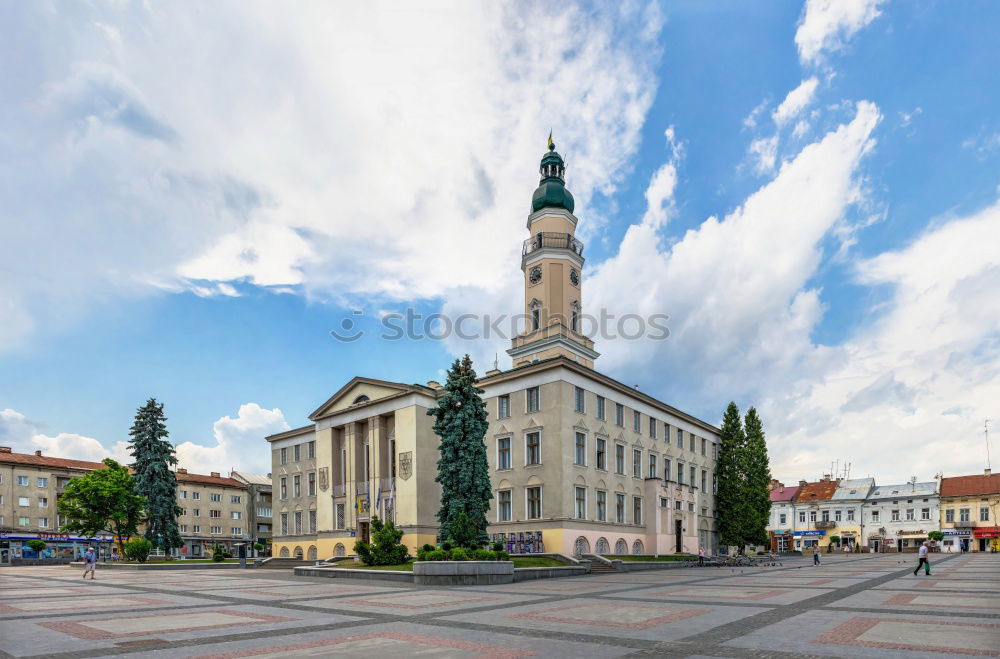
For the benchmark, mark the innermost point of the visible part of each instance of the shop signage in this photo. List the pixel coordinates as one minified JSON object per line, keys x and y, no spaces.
{"x":811,"y":533}
{"x":987,"y":532}
{"x":955,"y":531}
{"x":53,"y":536}
{"x":780,"y":532}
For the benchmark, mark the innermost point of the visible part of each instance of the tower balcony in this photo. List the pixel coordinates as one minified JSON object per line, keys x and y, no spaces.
{"x":551,"y":240}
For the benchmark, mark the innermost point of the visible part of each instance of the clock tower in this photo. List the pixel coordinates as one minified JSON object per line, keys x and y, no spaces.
{"x":552,"y":262}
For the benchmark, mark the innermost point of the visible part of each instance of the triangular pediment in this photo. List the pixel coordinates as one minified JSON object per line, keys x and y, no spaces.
{"x":581,"y":424}
{"x":602,"y":430}
{"x":502,"y":430}
{"x":533,"y":424}
{"x":363,"y":391}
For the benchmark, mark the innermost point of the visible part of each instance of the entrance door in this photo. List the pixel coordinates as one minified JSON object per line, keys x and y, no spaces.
{"x":363,"y":531}
{"x":678,"y":531}
{"x":983,"y":544}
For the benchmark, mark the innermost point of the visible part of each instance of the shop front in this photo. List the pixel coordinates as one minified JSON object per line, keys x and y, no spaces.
{"x":806,"y":540}
{"x":781,"y":541}
{"x":956,"y":540}
{"x":59,"y":548}
{"x":987,"y":538}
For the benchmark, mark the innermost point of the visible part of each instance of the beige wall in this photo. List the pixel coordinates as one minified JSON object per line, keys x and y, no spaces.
{"x":192,"y":497}
{"x":10,"y":492}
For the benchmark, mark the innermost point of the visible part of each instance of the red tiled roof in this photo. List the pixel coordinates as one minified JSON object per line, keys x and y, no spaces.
{"x":222,"y":481}
{"x":30,"y":459}
{"x":964,"y":486}
{"x":784,"y":494}
{"x":818,"y":491}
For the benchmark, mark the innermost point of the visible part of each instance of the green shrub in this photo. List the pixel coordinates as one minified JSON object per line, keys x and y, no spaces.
{"x":36,"y":545}
{"x":497,"y":546}
{"x":501,"y":555}
{"x":464,"y":532}
{"x":385,"y":548}
{"x":446,"y":545}
{"x":459,"y":554}
{"x":137,"y":549}
{"x":259,"y":546}
{"x":428,"y":547}
{"x":482,"y":555}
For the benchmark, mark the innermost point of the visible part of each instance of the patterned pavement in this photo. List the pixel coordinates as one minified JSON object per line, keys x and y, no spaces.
{"x":853,"y":606}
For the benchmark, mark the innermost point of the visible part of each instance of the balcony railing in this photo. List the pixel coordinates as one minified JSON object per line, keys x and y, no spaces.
{"x":549,"y":239}
{"x":825,"y":524}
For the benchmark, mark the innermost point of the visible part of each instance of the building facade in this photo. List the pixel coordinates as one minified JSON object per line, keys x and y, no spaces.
{"x":970,"y":506}
{"x":214,"y":510}
{"x":781,"y":523}
{"x":899,"y":517}
{"x":259,"y":511}
{"x":843,"y":516}
{"x":580,"y":463}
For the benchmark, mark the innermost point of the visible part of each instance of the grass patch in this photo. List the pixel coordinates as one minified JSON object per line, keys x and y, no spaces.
{"x":630,"y":558}
{"x":536,"y":561}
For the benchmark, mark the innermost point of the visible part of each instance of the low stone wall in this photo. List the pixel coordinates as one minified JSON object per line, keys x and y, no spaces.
{"x":529,"y":573}
{"x":462,"y":573}
{"x":639,"y":566}
{"x":175,"y":565}
{"x":345,"y":573}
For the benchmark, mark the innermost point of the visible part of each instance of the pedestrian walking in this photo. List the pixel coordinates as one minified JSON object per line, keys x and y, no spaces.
{"x":815,"y":554}
{"x":922,"y":554}
{"x":701,"y":557}
{"x":89,"y":562}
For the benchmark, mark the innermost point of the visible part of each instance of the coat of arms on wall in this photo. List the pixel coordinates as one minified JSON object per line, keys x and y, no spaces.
{"x":406,"y":465}
{"x":324,"y":478}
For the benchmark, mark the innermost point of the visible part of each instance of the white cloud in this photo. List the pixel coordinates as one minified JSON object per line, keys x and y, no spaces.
{"x":765,"y":153}
{"x":25,"y":436}
{"x":796,"y":101}
{"x":238,"y":443}
{"x":345,"y":152}
{"x":827,"y":25}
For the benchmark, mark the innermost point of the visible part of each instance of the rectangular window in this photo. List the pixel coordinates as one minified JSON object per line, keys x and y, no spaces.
{"x":704,"y":446}
{"x":43,"y":482}
{"x":534,"y":501}
{"x":340,"y":515}
{"x":236,"y":498}
{"x":704,"y":481}
{"x":533,"y":448}
{"x":217,"y":530}
{"x":312,"y":521}
{"x":619,"y":458}
{"x":636,"y":463}
{"x":196,"y":528}
{"x":43,"y":522}
{"x":237,"y":531}
{"x":298,"y":522}
{"x":22,"y":480}
{"x":837,"y":515}
{"x":216,"y":497}
{"x":284,"y":523}
{"x":504,"y":505}
{"x":311,"y":450}
{"x":715,"y":451}
{"x":602,"y":506}
{"x":680,"y":473}
{"x":895,"y":515}
{"x":984,"y":514}
{"x":503,"y":453}
{"x":875,"y":515}
{"x":826,"y":515}
{"x":215,"y":513}
{"x":637,"y":510}
{"x":297,"y":452}
{"x":694,"y":474}
{"x":600,"y":408}
{"x":197,"y":512}
{"x":579,"y":403}
{"x":183,"y":494}
{"x":910,"y":515}
{"x":925,"y":514}
{"x":196,"y":496}
{"x":691,"y":439}
{"x":783,"y":518}
{"x":581,"y":503}
{"x":602,"y":454}
{"x":532,"y":401}
{"x":620,"y":508}
{"x":24,"y":521}
{"x":297,"y":485}
{"x":653,"y":469}
{"x":183,"y":528}
{"x":680,"y":438}
{"x":284,"y":455}
{"x":949,"y":515}
{"x":802,"y":517}
{"x":652,"y":427}
{"x":284,"y":487}
{"x":666,"y":469}
{"x":619,"y":414}
{"x":678,"y":504}
{"x":237,"y":514}
{"x":503,"y":406}
{"x":580,"y":453}
{"x":850,"y":514}
{"x":636,"y":421}
{"x":311,"y":484}
{"x":812,"y":516}
{"x":24,"y":501}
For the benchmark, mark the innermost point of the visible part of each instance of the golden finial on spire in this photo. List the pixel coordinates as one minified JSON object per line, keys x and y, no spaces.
{"x":552,"y":145}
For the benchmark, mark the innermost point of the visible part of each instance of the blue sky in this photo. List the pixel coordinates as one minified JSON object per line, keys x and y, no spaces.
{"x":194,"y":196}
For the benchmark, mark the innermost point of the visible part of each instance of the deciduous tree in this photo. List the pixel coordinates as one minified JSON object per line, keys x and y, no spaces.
{"x":102,"y":501}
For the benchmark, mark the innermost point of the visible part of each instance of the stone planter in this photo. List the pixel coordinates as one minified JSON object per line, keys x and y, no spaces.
{"x":462,"y":573}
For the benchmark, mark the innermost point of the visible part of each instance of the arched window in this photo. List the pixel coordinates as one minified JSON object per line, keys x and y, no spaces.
{"x":581,"y":546}
{"x":283,"y":553}
{"x":360,"y":399}
{"x":312,"y":553}
{"x":536,"y":314}
{"x":603,"y":547}
{"x":338,"y":550}
{"x":575,"y":316}
{"x":298,"y":553}
{"x":637,"y":547}
{"x":621,"y":547}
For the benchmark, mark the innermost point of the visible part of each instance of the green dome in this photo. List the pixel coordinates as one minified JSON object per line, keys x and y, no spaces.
{"x":551,"y":191}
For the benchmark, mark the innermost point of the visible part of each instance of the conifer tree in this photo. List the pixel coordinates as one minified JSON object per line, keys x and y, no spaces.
{"x":154,"y":480}
{"x":731,"y":470}
{"x":463,"y":470}
{"x":758,"y":480}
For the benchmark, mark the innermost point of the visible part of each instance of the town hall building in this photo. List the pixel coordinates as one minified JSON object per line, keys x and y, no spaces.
{"x":580,"y":463}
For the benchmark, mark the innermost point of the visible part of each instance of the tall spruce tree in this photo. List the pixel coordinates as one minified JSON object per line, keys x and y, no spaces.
{"x":758,"y":480}
{"x":731,"y":469}
{"x":154,"y":480}
{"x":463,"y":470}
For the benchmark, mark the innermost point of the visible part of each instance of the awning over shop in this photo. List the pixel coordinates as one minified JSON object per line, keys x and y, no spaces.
{"x":987,"y":532}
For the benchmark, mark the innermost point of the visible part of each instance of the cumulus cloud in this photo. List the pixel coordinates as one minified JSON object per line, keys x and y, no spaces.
{"x":796,"y":101}
{"x":238,"y":443}
{"x":349,"y":153}
{"x":827,"y":25}
{"x":25,"y":436}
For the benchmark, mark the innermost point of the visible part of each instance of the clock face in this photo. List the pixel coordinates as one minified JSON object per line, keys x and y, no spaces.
{"x":535,"y":275}
{"x":574,"y":277}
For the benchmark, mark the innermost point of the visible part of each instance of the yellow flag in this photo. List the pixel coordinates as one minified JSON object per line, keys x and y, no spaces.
{"x":552,"y":144}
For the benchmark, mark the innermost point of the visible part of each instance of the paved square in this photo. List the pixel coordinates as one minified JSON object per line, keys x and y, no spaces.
{"x":853,"y":606}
